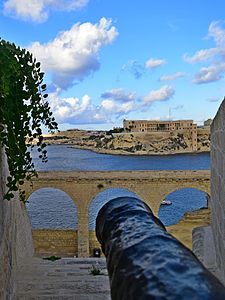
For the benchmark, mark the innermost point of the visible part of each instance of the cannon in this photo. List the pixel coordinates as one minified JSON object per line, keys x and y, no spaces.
{"x":145,"y":262}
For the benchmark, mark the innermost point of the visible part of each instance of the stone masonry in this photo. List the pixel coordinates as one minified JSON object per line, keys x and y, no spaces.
{"x":15,"y":236}
{"x":208,"y":242}
{"x":218,"y":187}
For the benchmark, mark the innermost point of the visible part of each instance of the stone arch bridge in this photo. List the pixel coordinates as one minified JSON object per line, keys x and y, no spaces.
{"x":151,"y":186}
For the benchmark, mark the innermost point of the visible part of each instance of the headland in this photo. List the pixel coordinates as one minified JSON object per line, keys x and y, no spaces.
{"x":119,"y":142}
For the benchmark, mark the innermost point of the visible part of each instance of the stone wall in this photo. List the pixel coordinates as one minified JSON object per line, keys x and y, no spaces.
{"x":60,"y":242}
{"x":208,"y":242}
{"x":218,"y":187}
{"x":64,"y":242}
{"x":15,"y":235}
{"x":55,"y":242}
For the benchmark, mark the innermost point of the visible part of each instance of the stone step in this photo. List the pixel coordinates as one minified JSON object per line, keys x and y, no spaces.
{"x":62,"y":279}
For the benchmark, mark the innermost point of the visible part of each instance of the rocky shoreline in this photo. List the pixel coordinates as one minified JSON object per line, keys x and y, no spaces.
{"x":120,"y":143}
{"x":141,"y":153}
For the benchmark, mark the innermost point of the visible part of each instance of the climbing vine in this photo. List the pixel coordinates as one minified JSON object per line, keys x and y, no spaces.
{"x":23,"y":110}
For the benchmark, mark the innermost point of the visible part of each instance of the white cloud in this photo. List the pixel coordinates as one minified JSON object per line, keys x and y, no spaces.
{"x":215,"y":56}
{"x":115,"y":104}
{"x":217,"y":33}
{"x":37,"y":10}
{"x":153,"y":63}
{"x":81,"y":111}
{"x":74,"y":54}
{"x":117,"y":109}
{"x":119,"y":95}
{"x":172,"y":76}
{"x":210,"y":74}
{"x":134,"y":68}
{"x":138,"y":70}
{"x":203,"y":55}
{"x":118,"y":102}
{"x":75,"y":110}
{"x":162,"y":94}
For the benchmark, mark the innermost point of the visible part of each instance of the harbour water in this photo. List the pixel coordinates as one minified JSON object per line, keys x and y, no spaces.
{"x":49,"y":208}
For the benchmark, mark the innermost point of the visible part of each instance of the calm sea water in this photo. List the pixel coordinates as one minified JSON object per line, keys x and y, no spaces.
{"x":51,"y":208}
{"x":65,"y":158}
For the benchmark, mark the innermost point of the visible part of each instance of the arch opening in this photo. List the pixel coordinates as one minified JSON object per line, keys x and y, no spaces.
{"x":180,"y":202}
{"x":50,"y":208}
{"x":102,"y":198}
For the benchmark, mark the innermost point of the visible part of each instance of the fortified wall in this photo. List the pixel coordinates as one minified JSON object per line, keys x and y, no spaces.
{"x":186,"y":127}
{"x":218,"y":187}
{"x":209,"y":242}
{"x":15,"y":235}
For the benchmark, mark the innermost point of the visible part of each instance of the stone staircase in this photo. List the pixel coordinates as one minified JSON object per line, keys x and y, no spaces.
{"x":66,"y":278}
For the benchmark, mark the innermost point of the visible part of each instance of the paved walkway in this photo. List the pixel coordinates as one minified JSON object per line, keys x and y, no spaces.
{"x":67,"y":278}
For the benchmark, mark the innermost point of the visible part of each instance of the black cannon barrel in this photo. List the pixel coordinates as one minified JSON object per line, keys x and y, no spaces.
{"x":145,"y":262}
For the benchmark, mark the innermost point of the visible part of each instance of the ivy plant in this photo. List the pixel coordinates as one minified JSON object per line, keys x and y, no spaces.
{"x":23,"y":111}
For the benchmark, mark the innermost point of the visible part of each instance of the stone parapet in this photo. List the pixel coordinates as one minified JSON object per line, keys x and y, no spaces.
{"x":208,"y":242}
{"x":203,"y":245}
{"x":217,"y":187}
{"x":15,"y":235}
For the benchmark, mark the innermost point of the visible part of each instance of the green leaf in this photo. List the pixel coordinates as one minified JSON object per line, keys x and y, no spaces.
{"x":22,"y":113}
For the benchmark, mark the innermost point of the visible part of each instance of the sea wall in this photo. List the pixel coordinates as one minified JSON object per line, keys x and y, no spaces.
{"x":15,"y":235}
{"x":59,"y":242}
{"x":64,"y":242}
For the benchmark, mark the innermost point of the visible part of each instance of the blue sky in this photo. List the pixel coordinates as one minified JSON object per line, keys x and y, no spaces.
{"x":109,"y":60}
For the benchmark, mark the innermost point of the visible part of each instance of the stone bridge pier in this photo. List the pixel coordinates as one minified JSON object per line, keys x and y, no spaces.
{"x":150,"y":186}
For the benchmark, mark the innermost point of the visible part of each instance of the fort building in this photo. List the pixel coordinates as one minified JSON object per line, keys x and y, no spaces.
{"x":187,"y":127}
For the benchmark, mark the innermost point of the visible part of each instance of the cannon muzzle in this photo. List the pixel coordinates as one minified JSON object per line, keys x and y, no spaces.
{"x":145,"y":262}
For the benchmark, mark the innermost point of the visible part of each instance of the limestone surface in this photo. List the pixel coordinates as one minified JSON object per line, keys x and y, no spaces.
{"x":63,"y":279}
